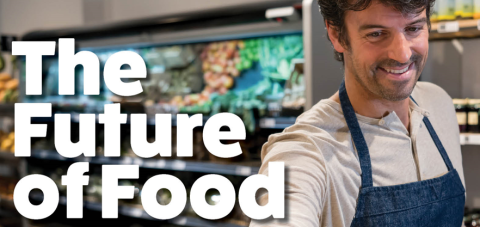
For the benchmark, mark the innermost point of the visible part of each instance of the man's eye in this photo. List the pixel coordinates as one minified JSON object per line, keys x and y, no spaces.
{"x":413,"y":29}
{"x":374,"y":34}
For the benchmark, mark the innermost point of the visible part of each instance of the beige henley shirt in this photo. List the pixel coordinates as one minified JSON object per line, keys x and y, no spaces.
{"x":322,"y":168}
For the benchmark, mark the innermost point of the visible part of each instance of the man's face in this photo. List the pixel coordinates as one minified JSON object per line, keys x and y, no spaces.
{"x":387,"y":51}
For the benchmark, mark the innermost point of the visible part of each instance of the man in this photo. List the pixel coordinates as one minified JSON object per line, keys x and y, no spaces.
{"x":370,"y":155}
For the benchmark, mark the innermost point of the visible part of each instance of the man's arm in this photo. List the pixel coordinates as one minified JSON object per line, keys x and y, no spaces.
{"x":305,"y":179}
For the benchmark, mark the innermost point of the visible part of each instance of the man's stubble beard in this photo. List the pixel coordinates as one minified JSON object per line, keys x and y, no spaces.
{"x":370,"y":82}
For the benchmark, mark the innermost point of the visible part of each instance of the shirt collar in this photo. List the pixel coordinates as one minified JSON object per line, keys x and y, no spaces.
{"x":391,"y":121}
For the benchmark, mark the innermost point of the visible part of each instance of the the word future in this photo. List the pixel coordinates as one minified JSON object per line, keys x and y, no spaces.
{"x":112,"y":118}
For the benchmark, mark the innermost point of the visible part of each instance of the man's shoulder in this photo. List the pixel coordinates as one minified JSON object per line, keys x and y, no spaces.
{"x":428,"y":94}
{"x":313,"y":127}
{"x":325,"y":113}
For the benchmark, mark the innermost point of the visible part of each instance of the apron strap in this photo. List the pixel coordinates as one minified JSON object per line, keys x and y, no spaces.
{"x":436,"y":140}
{"x":357,"y":136}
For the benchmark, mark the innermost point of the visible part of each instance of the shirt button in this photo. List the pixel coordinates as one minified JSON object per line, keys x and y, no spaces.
{"x":381,"y":122}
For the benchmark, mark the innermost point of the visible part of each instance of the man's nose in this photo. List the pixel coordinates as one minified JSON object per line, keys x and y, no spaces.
{"x":399,"y":49}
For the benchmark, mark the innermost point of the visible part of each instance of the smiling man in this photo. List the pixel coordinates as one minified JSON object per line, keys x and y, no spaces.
{"x":384,"y":150}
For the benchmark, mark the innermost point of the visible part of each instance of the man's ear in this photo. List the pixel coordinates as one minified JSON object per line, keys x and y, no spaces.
{"x":333,"y":35}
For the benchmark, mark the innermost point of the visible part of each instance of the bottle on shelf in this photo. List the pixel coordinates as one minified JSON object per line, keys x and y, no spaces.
{"x":446,"y":9}
{"x":434,"y":16}
{"x":464,"y":8}
{"x":476,"y":9}
{"x":461,"y":111}
{"x":473,"y":106}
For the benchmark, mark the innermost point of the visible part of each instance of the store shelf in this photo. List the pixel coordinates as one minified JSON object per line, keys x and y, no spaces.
{"x":277,"y":122}
{"x":469,"y":138}
{"x":141,"y":214}
{"x":7,"y":207}
{"x":7,"y":171}
{"x":455,"y":29}
{"x":7,"y":109}
{"x":7,"y":155}
{"x":9,"y":214}
{"x":176,"y":165}
{"x":265,"y":123}
{"x":75,"y":117}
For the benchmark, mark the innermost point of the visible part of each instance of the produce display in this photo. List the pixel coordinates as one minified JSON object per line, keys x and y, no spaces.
{"x":294,"y":99}
{"x":8,"y":88}
{"x":8,"y":72}
{"x":252,"y":78}
{"x":476,"y":9}
{"x":246,"y":77}
{"x":7,"y":141}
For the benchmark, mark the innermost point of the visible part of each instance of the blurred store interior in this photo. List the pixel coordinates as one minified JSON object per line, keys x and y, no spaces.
{"x":266,"y":61}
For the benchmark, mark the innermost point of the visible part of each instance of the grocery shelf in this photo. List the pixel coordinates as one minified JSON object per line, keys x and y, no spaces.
{"x":266,"y":122}
{"x":7,"y":109}
{"x":6,"y":213}
{"x":7,"y":155}
{"x":7,"y":171}
{"x":277,"y":122}
{"x":75,"y":117}
{"x":468,"y":28}
{"x":469,"y":138}
{"x":134,"y":212}
{"x":7,"y":207}
{"x":176,"y":165}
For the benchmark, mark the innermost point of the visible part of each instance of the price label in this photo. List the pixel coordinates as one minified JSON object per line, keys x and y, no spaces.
{"x":136,"y":212}
{"x":126,"y":160}
{"x":474,"y":139}
{"x":267,"y":123}
{"x":149,"y":164}
{"x":463,"y":139}
{"x":450,"y":26}
{"x":478,"y":24}
{"x":179,"y":165}
{"x":243,"y":171}
{"x":137,"y":161}
{"x":103,"y":159}
{"x":43,"y":154}
{"x":161,"y":164}
{"x":180,"y":221}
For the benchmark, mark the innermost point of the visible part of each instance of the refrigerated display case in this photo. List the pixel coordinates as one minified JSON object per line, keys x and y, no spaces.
{"x":238,"y":60}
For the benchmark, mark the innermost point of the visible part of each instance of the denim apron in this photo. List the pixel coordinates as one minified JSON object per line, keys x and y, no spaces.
{"x":434,"y":202}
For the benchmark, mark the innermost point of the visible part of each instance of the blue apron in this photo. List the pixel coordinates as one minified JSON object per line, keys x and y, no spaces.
{"x":434,"y":202}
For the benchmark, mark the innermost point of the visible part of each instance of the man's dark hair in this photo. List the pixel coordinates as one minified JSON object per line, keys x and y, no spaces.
{"x":333,"y":12}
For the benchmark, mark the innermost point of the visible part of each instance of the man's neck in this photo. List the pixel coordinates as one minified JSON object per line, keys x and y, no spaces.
{"x":367,"y":104}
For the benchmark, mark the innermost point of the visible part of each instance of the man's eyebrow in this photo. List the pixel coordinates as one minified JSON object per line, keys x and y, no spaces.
{"x":369,"y":26}
{"x":421,"y":20}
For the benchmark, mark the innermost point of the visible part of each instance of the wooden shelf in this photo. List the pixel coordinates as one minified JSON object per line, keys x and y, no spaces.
{"x":469,"y":28}
{"x":469,"y":138}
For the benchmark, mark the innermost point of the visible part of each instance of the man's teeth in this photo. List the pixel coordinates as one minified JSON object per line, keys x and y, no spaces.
{"x":397,"y":71}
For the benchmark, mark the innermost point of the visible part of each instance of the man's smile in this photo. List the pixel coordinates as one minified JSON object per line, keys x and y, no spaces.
{"x":398,"y":73}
